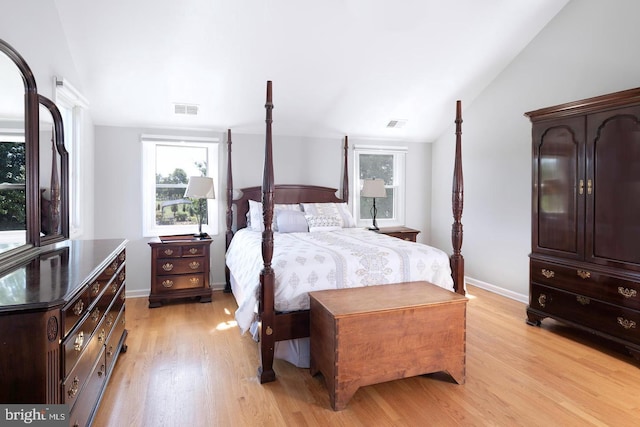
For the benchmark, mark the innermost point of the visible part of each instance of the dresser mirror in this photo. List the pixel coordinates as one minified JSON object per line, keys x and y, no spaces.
{"x":34,"y":195}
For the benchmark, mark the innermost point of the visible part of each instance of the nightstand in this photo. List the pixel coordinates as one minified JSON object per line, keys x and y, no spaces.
{"x":404,"y":233}
{"x":179,"y":268}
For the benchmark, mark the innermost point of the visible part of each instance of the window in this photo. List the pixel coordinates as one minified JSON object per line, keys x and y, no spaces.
{"x":168,"y":163}
{"x":71,"y":105}
{"x":388,"y":164}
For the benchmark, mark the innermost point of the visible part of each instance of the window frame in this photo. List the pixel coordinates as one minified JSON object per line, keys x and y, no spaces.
{"x":149,"y":145}
{"x":399,"y":184}
{"x":72,"y":105}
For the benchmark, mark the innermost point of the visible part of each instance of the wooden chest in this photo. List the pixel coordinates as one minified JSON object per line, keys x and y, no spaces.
{"x":363,"y":336}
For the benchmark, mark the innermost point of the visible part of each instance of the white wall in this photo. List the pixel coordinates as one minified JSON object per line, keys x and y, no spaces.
{"x":588,"y":49}
{"x":297,"y":160}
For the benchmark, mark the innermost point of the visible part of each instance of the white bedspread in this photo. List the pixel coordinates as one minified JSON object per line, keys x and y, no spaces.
{"x":350,"y":257}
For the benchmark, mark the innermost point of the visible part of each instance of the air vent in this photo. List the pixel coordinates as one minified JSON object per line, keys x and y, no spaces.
{"x":185,"y":109}
{"x":397,"y":124}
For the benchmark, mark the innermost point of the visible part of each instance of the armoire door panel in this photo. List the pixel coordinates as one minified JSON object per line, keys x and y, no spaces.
{"x":613,"y":173}
{"x":558,"y":198}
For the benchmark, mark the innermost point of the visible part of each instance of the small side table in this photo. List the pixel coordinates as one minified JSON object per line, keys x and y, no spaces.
{"x":404,"y":233}
{"x":179,"y":268}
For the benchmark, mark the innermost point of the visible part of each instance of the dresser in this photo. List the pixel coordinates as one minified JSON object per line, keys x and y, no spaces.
{"x":179,"y":268}
{"x":62,"y":326}
{"x":404,"y":233}
{"x":585,"y":258}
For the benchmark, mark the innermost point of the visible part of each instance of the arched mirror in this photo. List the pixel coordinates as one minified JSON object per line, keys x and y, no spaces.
{"x":34,"y":195}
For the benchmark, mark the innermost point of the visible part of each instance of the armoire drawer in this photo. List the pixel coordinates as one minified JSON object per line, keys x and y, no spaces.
{"x":620,"y":322}
{"x":587,"y":282}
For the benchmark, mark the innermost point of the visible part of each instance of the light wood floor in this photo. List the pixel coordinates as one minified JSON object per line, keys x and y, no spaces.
{"x":187,"y":365}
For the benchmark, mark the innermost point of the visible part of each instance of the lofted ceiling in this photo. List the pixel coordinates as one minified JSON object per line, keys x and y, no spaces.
{"x":338,"y":66}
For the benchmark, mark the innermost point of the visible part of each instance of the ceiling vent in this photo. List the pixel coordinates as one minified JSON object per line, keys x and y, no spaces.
{"x":185,"y":109}
{"x":396,"y":124}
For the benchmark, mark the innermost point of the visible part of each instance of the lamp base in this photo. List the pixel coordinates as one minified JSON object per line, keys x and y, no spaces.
{"x":374,"y":228}
{"x":201,"y":236}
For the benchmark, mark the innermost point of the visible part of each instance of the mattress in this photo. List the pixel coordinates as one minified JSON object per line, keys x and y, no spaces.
{"x":345,"y":258}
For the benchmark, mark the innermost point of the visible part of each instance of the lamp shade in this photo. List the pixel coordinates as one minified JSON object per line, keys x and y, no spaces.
{"x":200,"y":187}
{"x":373,"y":188}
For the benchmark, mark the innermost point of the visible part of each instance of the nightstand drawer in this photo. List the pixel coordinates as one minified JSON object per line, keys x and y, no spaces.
{"x":404,"y":233}
{"x":180,"y":266}
{"x":185,"y":281}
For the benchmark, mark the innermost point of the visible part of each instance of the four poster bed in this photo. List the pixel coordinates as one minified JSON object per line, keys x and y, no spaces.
{"x":321,"y":248}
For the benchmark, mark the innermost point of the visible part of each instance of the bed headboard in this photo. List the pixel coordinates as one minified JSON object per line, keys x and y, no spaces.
{"x":283,"y":194}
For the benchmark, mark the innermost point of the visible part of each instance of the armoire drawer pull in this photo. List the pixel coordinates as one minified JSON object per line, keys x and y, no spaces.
{"x":626,"y":292}
{"x":167,"y":283}
{"x":583,"y":274}
{"x":168,"y":251}
{"x":548,"y":273}
{"x":194,"y":265}
{"x":193,"y":251}
{"x":626,"y":323}
{"x":167,"y":267}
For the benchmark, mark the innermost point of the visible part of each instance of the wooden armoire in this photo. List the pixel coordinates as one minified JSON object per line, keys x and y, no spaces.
{"x":585,"y":258}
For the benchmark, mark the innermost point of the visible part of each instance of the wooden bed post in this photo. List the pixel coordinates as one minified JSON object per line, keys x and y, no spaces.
{"x":267,"y":275}
{"x":457,"y":260}
{"x":345,"y":177}
{"x":229,"y":235}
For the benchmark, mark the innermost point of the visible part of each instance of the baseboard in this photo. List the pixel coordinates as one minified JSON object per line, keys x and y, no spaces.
{"x":524,"y":298}
{"x":144,"y":293}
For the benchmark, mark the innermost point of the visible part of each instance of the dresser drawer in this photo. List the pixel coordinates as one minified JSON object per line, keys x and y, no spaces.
{"x":619,"y":322}
{"x":588,"y":282}
{"x":88,"y":395}
{"x":75,"y":310}
{"x":113,"y":340}
{"x":180,"y":266}
{"x":172,"y":283}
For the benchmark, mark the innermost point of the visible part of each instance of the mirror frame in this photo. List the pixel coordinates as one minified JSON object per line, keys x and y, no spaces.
{"x":32,"y":102}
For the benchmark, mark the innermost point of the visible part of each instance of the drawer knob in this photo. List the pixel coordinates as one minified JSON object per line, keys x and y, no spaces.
{"x":167,"y":267}
{"x":626,"y":323}
{"x":75,"y":384}
{"x":102,"y":370}
{"x":167,"y":283}
{"x":77,"y":309}
{"x":168,"y":251}
{"x":101,"y":336}
{"x":114,"y":288}
{"x":77,"y":343}
{"x":583,"y":300}
{"x":626,"y":292}
{"x":95,"y":289}
{"x":95,"y":315}
{"x":548,"y":273}
{"x":194,"y":280}
{"x":110,"y":351}
{"x":194,"y":265}
{"x":110,"y":319}
{"x":193,"y":251}
{"x":583,"y":274}
{"x":542,"y":300}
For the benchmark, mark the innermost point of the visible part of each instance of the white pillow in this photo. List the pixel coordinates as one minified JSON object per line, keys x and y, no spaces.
{"x":339,"y":210}
{"x":323,"y":223}
{"x":291,"y":221}
{"x":256,"y":222}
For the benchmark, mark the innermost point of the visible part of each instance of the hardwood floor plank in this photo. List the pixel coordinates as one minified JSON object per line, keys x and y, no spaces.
{"x":187,"y":364}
